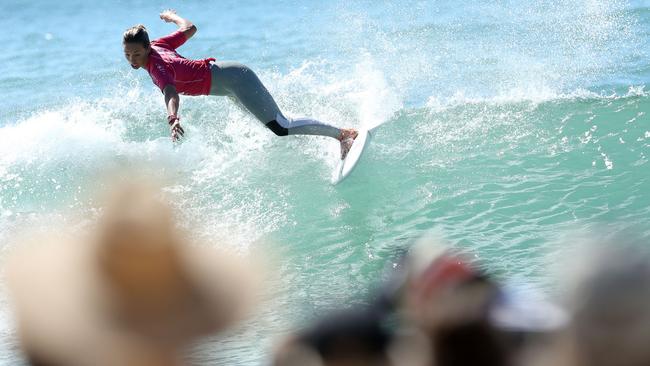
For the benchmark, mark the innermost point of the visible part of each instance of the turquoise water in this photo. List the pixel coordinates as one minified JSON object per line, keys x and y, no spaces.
{"x":504,"y":125}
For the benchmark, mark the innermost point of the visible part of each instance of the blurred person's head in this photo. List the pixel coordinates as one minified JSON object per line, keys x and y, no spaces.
{"x":158,"y":283}
{"x":133,"y":291}
{"x":610,"y":305}
{"x":457,"y":321}
{"x":468,"y":317}
{"x":448,"y":299}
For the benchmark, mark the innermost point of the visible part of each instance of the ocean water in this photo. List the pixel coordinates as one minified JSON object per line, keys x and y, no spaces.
{"x":504,"y":125}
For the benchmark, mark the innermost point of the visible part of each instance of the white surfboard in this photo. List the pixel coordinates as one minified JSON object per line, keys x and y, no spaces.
{"x":346,"y":166}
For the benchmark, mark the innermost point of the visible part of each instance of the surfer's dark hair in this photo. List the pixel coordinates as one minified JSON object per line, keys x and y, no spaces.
{"x":137,"y":34}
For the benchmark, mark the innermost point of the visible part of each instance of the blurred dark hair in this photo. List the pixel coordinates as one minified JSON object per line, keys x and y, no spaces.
{"x":356,"y":332}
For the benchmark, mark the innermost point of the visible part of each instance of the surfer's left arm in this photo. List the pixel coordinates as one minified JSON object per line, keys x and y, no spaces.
{"x":183,"y":24}
{"x":172,"y":101}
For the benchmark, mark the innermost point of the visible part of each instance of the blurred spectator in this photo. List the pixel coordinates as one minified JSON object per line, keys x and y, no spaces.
{"x":610,"y":305}
{"x":130,"y":292}
{"x":467,"y":316}
{"x":436,"y":309}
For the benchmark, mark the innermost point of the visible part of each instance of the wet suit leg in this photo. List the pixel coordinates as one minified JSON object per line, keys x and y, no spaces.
{"x":238,"y":81}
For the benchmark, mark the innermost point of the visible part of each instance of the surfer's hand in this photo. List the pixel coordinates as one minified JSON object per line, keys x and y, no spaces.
{"x":177,"y":130}
{"x":168,"y":15}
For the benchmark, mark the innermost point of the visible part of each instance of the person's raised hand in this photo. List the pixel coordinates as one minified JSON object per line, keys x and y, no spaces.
{"x":168,"y":15}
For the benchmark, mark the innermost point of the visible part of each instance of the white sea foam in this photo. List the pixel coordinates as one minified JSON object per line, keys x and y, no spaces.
{"x":535,"y":96}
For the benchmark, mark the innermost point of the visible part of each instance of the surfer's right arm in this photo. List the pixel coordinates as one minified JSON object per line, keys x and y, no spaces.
{"x":172,"y":101}
{"x":183,"y":24}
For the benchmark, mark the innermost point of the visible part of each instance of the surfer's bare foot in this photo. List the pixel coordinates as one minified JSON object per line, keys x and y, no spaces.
{"x":347,"y":139}
{"x":348,"y":133}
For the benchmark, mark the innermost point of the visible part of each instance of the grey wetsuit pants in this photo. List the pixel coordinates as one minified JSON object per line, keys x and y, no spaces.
{"x":236,"y":80}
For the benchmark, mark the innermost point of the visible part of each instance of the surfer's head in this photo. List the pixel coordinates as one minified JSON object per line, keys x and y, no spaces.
{"x":136,"y":46}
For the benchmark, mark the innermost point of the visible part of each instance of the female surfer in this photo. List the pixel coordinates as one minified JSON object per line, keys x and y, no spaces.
{"x":175,"y":75}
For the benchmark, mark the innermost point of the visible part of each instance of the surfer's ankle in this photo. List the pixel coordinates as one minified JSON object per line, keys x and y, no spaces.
{"x":346,"y":145}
